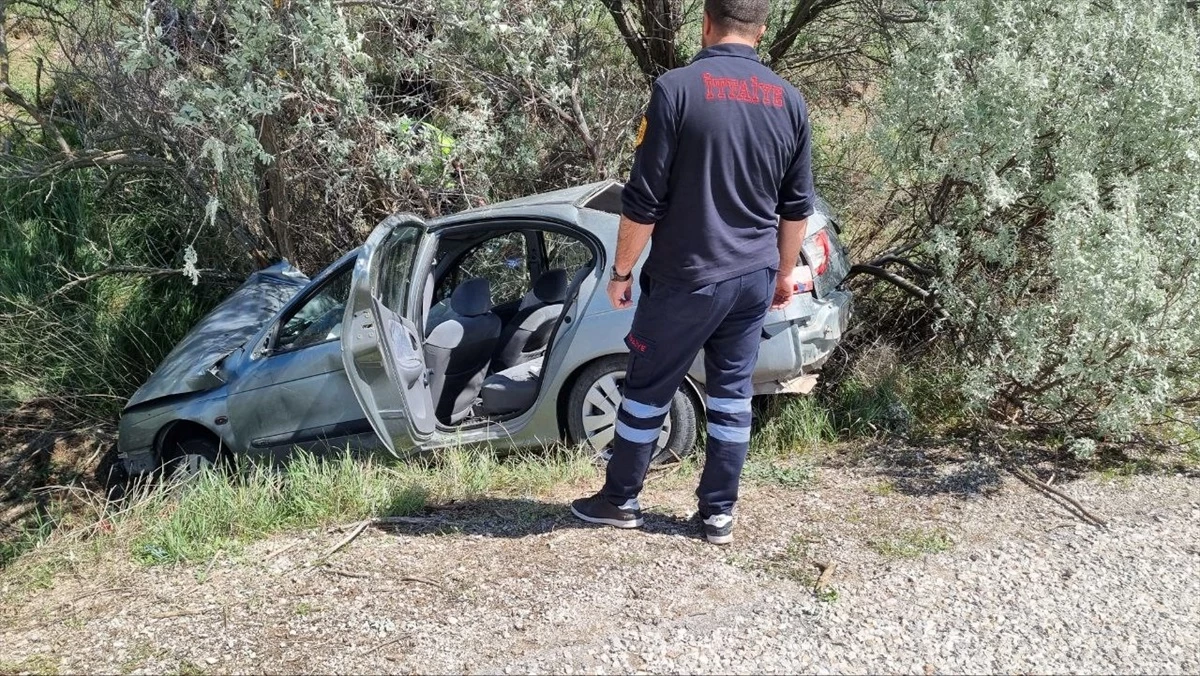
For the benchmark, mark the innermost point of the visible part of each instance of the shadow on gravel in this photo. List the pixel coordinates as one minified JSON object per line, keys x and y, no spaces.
{"x":958,"y":467}
{"x":929,"y":469}
{"x":512,"y":518}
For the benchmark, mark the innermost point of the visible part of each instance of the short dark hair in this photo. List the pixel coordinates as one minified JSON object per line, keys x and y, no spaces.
{"x":739,"y":16}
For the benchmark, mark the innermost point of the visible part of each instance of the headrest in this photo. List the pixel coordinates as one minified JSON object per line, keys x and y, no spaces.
{"x":551,"y":287}
{"x":472,"y":298}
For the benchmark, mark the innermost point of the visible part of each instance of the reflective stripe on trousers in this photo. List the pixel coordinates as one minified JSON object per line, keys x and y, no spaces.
{"x":670,"y":326}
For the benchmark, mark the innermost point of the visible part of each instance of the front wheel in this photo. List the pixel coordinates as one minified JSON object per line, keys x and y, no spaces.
{"x":592,"y":413}
{"x":189,"y":459}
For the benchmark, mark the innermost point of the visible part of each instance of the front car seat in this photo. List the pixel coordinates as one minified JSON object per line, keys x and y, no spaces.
{"x":527,"y":333}
{"x":459,"y":347}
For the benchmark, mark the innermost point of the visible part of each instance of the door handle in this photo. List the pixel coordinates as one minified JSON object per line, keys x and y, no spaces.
{"x":410,"y":369}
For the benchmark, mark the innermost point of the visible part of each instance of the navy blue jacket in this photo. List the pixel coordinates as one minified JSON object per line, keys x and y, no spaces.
{"x":724,"y":151}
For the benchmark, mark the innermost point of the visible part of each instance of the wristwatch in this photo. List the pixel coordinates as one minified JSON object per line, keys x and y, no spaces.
{"x":618,"y":277}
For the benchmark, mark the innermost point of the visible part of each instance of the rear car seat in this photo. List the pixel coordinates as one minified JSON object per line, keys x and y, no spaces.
{"x":511,"y":390}
{"x":525,"y":336}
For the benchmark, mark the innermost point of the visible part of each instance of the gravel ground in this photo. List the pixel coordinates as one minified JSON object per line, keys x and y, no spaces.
{"x":988,"y":578}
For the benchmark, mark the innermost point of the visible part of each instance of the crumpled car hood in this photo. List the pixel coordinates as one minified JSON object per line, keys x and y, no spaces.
{"x":226,"y":328}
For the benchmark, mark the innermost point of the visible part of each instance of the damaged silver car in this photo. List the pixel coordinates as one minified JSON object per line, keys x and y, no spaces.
{"x":490,"y":325}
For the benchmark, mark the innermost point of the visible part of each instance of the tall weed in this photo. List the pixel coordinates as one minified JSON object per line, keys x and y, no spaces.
{"x":71,"y":327}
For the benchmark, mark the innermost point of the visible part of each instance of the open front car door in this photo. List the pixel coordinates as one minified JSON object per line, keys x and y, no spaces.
{"x":381,"y":345}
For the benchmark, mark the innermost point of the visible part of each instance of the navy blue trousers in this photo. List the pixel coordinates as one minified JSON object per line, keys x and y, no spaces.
{"x":670,"y":326}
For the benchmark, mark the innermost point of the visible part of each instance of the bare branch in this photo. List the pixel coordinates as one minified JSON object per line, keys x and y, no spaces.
{"x":15,"y":97}
{"x":903,"y":284}
{"x":803,"y":14}
{"x":142,"y":271}
{"x":633,"y":39}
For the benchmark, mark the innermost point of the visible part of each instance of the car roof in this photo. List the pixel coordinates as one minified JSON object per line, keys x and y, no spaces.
{"x":598,"y":195}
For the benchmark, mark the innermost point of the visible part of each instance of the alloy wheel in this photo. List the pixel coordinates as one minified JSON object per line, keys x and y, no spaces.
{"x":600,"y":408}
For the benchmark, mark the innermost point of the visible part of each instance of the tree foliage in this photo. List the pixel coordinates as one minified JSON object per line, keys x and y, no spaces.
{"x":1048,"y":155}
{"x":293,"y":126}
{"x":269,"y":129}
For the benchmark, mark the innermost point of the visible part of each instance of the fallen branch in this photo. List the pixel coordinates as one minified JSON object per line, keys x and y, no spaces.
{"x":138,"y":270}
{"x":281,"y":550}
{"x":899,"y":260}
{"x":14,"y":97}
{"x":383,"y":645}
{"x":908,"y":286}
{"x":77,"y":599}
{"x":392,"y":520}
{"x":344,"y":573}
{"x":1045,"y":488}
{"x":179,"y":613}
{"x":827,"y":571}
{"x":362,"y":525}
{"x":384,"y":521}
{"x":422,"y":580}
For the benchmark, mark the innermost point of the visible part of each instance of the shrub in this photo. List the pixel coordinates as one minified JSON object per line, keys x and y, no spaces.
{"x":295,"y":126}
{"x":1049,"y":150}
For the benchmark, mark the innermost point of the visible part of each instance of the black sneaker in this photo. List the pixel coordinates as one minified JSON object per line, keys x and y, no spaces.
{"x":597,"y":509}
{"x":718,"y":529}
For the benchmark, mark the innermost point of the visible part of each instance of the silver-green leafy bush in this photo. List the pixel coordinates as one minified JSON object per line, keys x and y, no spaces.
{"x":294,"y":126}
{"x":1052,"y":150}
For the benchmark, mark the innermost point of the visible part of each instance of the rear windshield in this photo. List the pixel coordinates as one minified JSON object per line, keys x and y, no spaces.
{"x":607,"y":200}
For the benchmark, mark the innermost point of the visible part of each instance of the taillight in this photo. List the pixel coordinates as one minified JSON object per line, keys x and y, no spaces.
{"x":816,"y":250}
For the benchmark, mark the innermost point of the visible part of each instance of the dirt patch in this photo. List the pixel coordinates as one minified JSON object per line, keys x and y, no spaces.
{"x":41,"y":452}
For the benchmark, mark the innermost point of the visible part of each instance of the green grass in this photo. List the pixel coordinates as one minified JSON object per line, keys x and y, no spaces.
{"x":884,"y":488}
{"x":790,"y":424}
{"x":90,"y":346}
{"x":864,"y":410}
{"x":794,"y":562}
{"x":189,"y":668}
{"x":36,"y":664}
{"x":464,"y":473}
{"x":787,"y":424}
{"x":912,"y":543}
{"x":217,"y":512}
{"x":1192,"y":456}
{"x":1124,"y":471}
{"x":766,"y":471}
{"x":827,"y":594}
{"x":28,"y":538}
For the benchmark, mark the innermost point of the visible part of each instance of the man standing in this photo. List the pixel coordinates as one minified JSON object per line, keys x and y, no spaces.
{"x":722,"y":184}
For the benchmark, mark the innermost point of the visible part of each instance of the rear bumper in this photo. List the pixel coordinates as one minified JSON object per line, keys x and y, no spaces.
{"x":802,"y":339}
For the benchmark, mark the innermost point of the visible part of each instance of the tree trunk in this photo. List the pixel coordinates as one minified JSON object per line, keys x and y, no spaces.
{"x":3,"y":42}
{"x":274,"y":208}
{"x":654,"y":44}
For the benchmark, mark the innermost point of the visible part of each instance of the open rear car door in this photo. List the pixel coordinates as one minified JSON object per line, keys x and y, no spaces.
{"x":381,"y":347}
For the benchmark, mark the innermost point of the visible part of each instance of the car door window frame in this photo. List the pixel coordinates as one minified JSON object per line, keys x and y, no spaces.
{"x":272,"y":347}
{"x":531,"y":260}
{"x":529,"y":226}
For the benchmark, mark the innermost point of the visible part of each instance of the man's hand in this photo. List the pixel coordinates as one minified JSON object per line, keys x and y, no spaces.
{"x":620,"y":294}
{"x":785,"y":287}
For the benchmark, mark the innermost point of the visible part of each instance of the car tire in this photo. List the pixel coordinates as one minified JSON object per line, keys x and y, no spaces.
{"x":190,"y":458}
{"x":602,"y":380}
